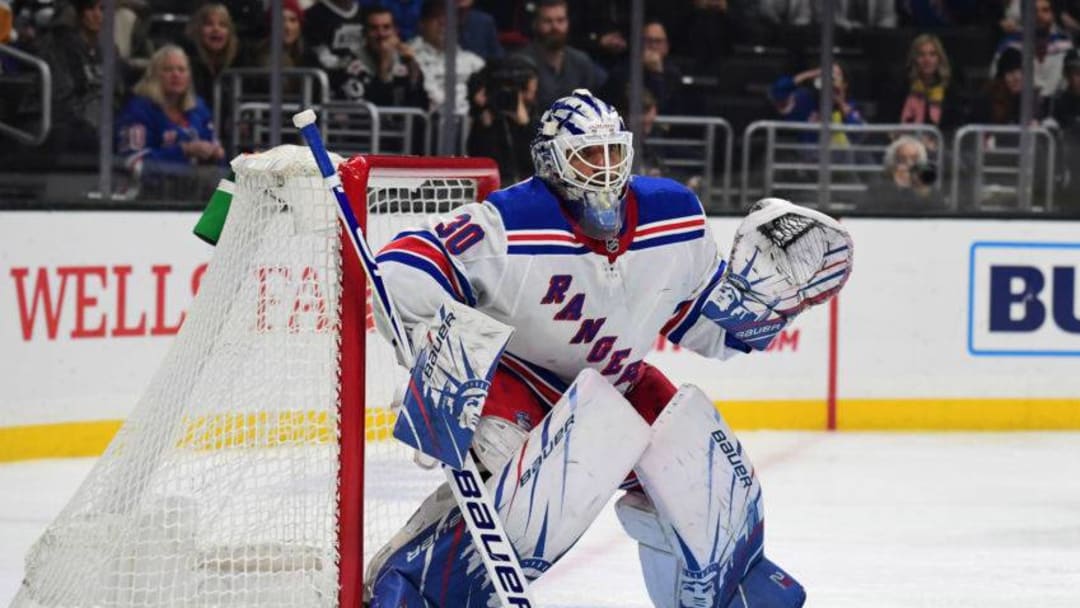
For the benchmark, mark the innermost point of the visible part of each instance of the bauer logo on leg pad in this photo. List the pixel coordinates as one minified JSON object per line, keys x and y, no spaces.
{"x":733,"y":451}
{"x":449,"y":382}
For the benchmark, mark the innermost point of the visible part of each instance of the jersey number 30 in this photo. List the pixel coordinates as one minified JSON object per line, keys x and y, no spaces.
{"x":458,"y":234}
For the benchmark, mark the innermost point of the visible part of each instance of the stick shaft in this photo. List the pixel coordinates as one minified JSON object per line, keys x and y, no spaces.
{"x":470,"y":492}
{"x":356,"y":233}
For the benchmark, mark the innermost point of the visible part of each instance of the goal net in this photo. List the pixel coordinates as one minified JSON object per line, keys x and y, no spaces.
{"x":258,"y":468}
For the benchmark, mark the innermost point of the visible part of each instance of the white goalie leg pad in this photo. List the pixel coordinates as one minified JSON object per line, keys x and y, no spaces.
{"x":570,"y":465}
{"x":550,"y":484}
{"x":700,"y":526}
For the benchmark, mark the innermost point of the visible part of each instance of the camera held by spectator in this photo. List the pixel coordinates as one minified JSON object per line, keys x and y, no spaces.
{"x":504,"y":87}
{"x":908,"y":180}
{"x":502,"y":102}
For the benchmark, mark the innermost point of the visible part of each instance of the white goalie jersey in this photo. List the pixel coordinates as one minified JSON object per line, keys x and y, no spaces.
{"x":574,"y":302}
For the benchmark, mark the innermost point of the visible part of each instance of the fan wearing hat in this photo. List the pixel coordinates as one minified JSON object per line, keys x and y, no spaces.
{"x":1051,"y":45}
{"x":295,"y":54}
{"x":1000,"y":102}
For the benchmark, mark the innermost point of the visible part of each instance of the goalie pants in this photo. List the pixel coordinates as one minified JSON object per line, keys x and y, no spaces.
{"x":512,"y":399}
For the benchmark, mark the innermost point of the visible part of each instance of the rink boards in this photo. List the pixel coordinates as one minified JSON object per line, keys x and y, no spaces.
{"x":945,"y":324}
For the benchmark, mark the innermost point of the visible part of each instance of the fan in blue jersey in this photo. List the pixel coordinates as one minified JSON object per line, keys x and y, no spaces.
{"x":166,"y":127}
{"x":588,"y":263}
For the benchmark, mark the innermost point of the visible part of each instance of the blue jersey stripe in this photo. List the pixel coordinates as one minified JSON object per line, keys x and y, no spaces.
{"x":554,"y":382}
{"x":546,"y":249}
{"x":462,"y":280}
{"x":667,"y":240}
{"x":529,"y":205}
{"x":421,"y":264}
{"x":676,"y":335}
{"x":543,"y":373}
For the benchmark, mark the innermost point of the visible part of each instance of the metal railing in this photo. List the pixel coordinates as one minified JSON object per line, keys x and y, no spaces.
{"x":786,"y":160}
{"x":405,"y":124}
{"x":314,"y":90}
{"x":251,"y":125}
{"x":462,"y":124}
{"x":690,"y":153}
{"x":995,"y":167}
{"x":44,"y":77}
{"x":352,"y":127}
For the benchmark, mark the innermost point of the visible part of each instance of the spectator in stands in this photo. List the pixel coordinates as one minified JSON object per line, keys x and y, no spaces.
{"x":335,"y":31}
{"x":430,"y":50}
{"x":386,"y":70}
{"x":406,"y":15}
{"x":1067,"y":12}
{"x":562,"y":68}
{"x":861,"y":14}
{"x":33,"y":19}
{"x":708,"y":31}
{"x":947,"y":13}
{"x":929,"y":97}
{"x":1069,"y":15}
{"x":907,"y":182}
{"x":1067,"y":116}
{"x":166,"y":127}
{"x":937,"y":13}
{"x":72,"y":52}
{"x":1000,"y":102}
{"x":212,"y":46}
{"x":476,"y":31}
{"x":651,"y":161}
{"x":1066,"y":105}
{"x":295,"y":54}
{"x":512,"y":20}
{"x":600,"y":30}
{"x":787,"y":12}
{"x":796,"y":99}
{"x":1051,"y":44}
{"x":247,"y":17}
{"x":129,"y":32}
{"x":661,"y":76}
{"x":502,"y":104}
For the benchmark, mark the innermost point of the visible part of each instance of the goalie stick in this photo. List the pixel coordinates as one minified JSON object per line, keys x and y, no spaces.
{"x":498,"y":555}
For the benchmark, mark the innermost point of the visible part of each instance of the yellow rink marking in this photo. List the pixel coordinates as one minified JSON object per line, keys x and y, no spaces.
{"x":301,"y":427}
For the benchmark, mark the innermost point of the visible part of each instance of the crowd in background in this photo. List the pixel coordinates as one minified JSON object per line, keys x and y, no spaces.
{"x":937,"y":62}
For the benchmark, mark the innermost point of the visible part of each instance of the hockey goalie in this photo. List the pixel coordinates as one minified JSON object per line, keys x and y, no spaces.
{"x":588,"y":264}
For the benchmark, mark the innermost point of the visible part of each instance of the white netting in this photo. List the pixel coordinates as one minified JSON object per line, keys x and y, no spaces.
{"x":220,"y":488}
{"x":395,"y":203}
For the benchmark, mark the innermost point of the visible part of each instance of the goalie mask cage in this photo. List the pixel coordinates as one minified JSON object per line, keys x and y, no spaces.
{"x":258,"y":468}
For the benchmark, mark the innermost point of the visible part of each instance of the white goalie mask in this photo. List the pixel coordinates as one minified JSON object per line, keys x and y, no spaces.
{"x":584,"y":152}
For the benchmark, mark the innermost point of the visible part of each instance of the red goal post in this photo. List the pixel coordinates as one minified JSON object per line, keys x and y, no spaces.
{"x":367,"y":179}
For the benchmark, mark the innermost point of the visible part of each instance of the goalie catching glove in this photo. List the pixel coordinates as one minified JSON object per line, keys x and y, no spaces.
{"x":785,"y":259}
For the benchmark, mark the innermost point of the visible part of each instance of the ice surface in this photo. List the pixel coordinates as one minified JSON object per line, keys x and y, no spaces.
{"x":861,"y":519}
